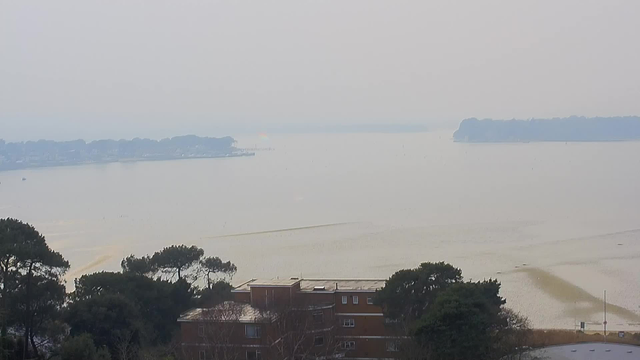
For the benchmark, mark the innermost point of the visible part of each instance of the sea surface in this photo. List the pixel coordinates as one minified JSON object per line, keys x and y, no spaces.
{"x":557,"y":223}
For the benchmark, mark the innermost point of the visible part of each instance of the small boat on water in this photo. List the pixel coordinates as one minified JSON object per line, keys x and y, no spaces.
{"x":24,"y":179}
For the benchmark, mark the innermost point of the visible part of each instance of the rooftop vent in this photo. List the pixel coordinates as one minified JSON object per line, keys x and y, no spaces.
{"x":319,"y":288}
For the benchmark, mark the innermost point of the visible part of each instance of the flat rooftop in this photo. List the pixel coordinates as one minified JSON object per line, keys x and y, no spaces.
{"x":342,"y":284}
{"x":272,"y":282}
{"x":228,"y":311}
{"x":317,"y":284}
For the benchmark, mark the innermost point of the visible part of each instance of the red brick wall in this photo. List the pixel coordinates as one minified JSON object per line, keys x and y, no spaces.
{"x":214,"y":352}
{"x":370,"y":348}
{"x":315,"y":298}
{"x":243,"y":297}
{"x":270,"y":297}
{"x":361,"y":307}
{"x":328,"y":318}
{"x":365,"y":326}
{"x":221,"y":333}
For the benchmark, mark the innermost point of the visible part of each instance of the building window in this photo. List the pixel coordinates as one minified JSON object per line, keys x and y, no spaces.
{"x":252,"y":331}
{"x":201,"y":330}
{"x":203,"y":355}
{"x":348,"y":323}
{"x":355,"y":300}
{"x":348,"y":345}
{"x":370,"y":301}
{"x":345,"y":300}
{"x":318,"y":317}
{"x":254,"y":355}
{"x":392,"y":346}
{"x":318,"y":341}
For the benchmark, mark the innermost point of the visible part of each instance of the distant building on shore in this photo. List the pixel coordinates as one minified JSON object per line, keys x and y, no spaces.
{"x":293,"y":318}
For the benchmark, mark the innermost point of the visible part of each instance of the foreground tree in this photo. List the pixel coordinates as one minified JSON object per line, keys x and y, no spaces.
{"x":139,"y":266}
{"x":157,"y":303}
{"x":462,"y":321}
{"x":216,"y":274}
{"x":469,"y":321}
{"x":437,"y":316}
{"x":408,"y":293}
{"x":129,"y":314}
{"x":26,"y":261}
{"x":213,"y":266}
{"x":45,"y":328}
{"x":11,"y":348}
{"x":177,"y":259}
{"x":106,"y":317}
{"x":512,"y":341}
{"x":81,"y":347}
{"x":9,"y":257}
{"x":219,"y":292}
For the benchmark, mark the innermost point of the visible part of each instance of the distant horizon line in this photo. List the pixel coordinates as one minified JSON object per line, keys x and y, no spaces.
{"x":285,"y":129}
{"x":239,"y":131}
{"x":557,"y":118}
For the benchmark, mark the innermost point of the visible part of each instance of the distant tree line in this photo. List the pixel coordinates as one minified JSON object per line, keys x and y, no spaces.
{"x":573,"y":128}
{"x":51,"y":153}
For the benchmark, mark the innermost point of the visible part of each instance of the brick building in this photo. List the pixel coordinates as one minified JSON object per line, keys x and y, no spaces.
{"x":290,"y":319}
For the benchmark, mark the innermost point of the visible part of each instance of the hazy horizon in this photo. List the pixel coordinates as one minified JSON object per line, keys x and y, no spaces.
{"x":235,"y":132}
{"x":155,"y":69}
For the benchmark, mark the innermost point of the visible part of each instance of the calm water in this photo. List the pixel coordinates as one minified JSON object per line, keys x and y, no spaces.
{"x":390,"y":202}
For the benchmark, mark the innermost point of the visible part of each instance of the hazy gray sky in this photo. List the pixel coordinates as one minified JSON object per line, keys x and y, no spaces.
{"x":98,"y":69}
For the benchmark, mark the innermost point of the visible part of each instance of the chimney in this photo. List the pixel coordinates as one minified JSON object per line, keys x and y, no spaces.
{"x":336,"y":286}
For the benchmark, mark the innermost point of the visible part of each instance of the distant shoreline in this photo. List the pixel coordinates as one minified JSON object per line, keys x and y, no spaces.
{"x":571,"y":129}
{"x":47,"y":153}
{"x":540,"y":141}
{"x":124,"y":161}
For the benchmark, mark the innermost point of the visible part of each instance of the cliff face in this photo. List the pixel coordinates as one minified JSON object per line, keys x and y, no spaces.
{"x":558,"y":129}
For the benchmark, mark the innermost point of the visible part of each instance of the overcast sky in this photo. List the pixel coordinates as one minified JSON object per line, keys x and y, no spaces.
{"x":97,"y":69}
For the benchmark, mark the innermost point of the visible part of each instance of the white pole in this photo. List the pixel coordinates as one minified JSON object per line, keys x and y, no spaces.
{"x":605,"y":316}
{"x":575,"y":316}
